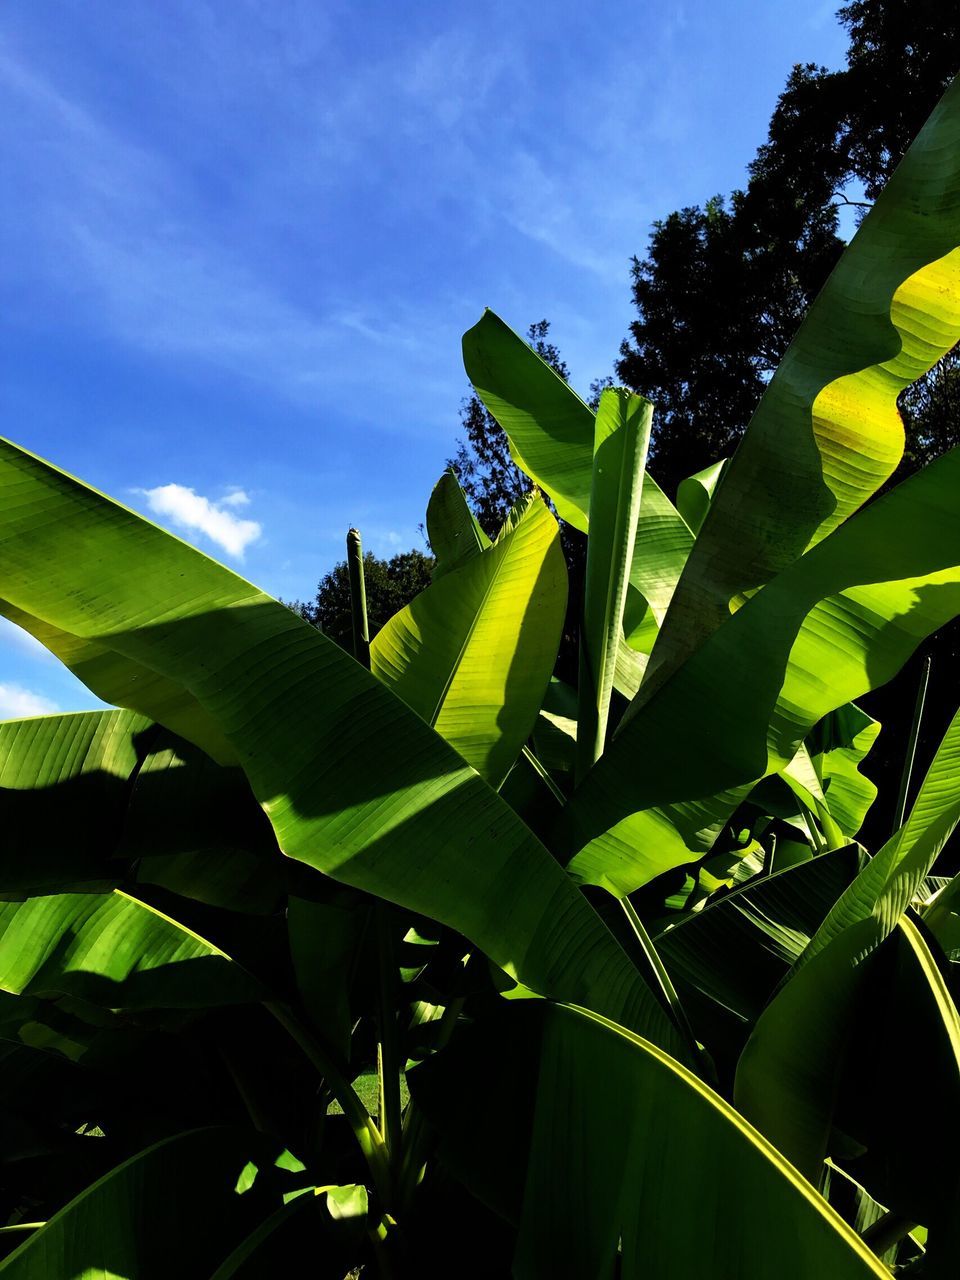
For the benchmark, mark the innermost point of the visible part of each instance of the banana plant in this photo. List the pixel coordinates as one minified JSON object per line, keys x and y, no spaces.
{"x":309,"y":964}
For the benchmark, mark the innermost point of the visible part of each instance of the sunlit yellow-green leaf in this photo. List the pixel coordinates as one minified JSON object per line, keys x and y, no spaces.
{"x":473,"y":654}
{"x":841,"y":620}
{"x":826,"y":433}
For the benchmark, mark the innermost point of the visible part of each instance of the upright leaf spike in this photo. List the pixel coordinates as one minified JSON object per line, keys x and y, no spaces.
{"x":358,"y":598}
{"x":622,"y":436}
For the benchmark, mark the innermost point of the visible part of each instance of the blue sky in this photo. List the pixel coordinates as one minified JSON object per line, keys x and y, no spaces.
{"x":240,"y":239}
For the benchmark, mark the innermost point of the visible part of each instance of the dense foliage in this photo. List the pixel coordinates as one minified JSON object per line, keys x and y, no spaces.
{"x":452,"y":967}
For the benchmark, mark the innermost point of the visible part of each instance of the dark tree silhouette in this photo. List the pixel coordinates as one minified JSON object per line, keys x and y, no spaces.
{"x":390,"y":584}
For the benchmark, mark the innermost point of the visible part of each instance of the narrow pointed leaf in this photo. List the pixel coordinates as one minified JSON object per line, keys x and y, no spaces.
{"x":620,"y":454}
{"x":454,"y":531}
{"x":551,"y":435}
{"x":695,"y":494}
{"x":549,"y":428}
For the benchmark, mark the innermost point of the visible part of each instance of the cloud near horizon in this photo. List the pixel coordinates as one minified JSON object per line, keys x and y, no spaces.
{"x":187,"y":509}
{"x":16,"y":703}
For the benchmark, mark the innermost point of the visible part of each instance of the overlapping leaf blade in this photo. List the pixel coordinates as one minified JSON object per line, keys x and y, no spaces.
{"x":551,"y":435}
{"x":353,"y":782}
{"x":110,"y":949}
{"x":172,"y":1210}
{"x":623,"y":1142}
{"x":454,"y":531}
{"x":473,"y":654}
{"x":827,"y":433}
{"x":839,"y":621}
{"x":786,"y":1080}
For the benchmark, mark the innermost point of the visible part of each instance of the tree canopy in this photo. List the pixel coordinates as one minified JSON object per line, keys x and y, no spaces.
{"x":724,"y":285}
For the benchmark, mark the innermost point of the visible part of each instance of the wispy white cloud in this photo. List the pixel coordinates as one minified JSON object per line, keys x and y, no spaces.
{"x":16,"y":702}
{"x":187,"y":509}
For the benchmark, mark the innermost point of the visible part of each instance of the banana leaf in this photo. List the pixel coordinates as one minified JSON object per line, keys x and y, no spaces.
{"x":353,"y":782}
{"x":607,"y":1102}
{"x":65,"y":786}
{"x":173,"y":1210}
{"x":452,"y":528}
{"x":695,"y":494}
{"x":109,"y":949}
{"x":620,"y":453}
{"x":827,"y":434}
{"x":472,"y":655}
{"x":841,"y":620}
{"x":551,"y":436}
{"x":787,"y":1076}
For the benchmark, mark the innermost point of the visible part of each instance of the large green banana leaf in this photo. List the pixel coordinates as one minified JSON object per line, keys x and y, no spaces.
{"x":111,"y":950}
{"x":675,"y":1174}
{"x":839,"y":621}
{"x":906,"y":1047}
{"x":353,"y":782}
{"x":115,"y":677}
{"x":474,"y":652}
{"x":620,"y":454}
{"x":173,"y":1210}
{"x":66,"y":774}
{"x":549,"y":428}
{"x":827,"y":433}
{"x":551,"y":435}
{"x":786,"y":1079}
